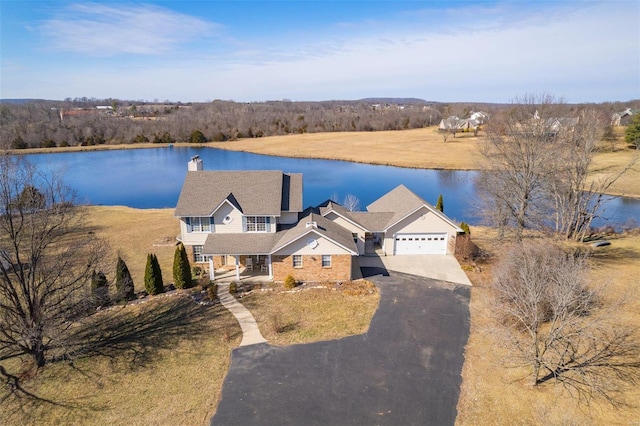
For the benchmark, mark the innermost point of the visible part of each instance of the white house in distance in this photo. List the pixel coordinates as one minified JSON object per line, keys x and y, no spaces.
{"x":254,"y":221}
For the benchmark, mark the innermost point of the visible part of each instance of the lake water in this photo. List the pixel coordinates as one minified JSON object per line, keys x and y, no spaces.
{"x":152,"y":178}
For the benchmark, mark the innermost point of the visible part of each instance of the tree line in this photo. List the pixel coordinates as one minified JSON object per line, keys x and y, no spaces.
{"x":36,"y":124}
{"x":73,"y":122}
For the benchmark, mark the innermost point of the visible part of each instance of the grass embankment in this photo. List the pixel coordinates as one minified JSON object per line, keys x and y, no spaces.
{"x":492,"y":393}
{"x":425,"y":149}
{"x":164,"y":362}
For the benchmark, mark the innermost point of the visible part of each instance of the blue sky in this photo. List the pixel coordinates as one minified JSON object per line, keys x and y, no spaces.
{"x":475,"y":51}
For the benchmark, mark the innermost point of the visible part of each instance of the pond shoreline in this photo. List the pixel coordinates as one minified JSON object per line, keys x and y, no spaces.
{"x":241,"y":146}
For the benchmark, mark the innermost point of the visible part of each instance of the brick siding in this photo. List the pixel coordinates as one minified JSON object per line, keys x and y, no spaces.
{"x":312,"y":270}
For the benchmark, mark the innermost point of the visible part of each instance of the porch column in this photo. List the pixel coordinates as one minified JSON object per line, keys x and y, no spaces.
{"x":212,"y":269}
{"x":237,"y":267}
{"x":270,"y":266}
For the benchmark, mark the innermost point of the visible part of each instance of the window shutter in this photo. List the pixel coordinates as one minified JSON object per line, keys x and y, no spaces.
{"x":212,"y":229}
{"x":268,"y":224}
{"x":244,"y":224}
{"x":188,"y":221}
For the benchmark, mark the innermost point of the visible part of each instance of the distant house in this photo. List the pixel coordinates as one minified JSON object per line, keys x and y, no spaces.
{"x":454,"y":124}
{"x":479,"y":116}
{"x":254,"y":221}
{"x":618,"y":118}
{"x":449,"y":123}
{"x":557,"y":124}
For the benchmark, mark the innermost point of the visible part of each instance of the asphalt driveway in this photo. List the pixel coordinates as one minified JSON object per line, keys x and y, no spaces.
{"x":405,"y":370}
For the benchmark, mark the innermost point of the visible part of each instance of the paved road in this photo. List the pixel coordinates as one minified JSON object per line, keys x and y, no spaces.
{"x":405,"y":370}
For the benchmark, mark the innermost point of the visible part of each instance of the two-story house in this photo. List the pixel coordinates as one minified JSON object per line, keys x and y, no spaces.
{"x":254,"y":221}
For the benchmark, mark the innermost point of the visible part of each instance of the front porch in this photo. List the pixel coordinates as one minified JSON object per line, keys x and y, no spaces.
{"x":373,"y":243}
{"x":241,"y":268}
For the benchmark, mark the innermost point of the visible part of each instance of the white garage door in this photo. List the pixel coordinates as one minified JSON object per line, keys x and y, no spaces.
{"x":421,"y":244}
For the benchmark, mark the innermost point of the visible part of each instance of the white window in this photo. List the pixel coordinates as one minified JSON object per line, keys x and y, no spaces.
{"x":198,"y":257}
{"x":326,"y":261}
{"x":257,"y":223}
{"x":199,"y":224}
{"x":297,"y":261}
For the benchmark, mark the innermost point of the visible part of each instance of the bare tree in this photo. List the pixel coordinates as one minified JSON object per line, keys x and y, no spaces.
{"x":537,"y":160}
{"x":520,"y":147}
{"x":576,"y":201}
{"x":560,"y":327}
{"x":46,"y":260}
{"x":351,"y":203}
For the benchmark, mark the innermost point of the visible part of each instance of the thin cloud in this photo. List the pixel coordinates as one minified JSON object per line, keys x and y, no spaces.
{"x":100,"y":30}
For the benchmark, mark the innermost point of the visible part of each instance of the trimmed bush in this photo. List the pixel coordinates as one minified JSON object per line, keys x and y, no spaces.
{"x":124,"y":282}
{"x":181,"y":269}
{"x":153,"y":276}
{"x":289,"y":282}
{"x":233,"y":287}
{"x":196,"y":271}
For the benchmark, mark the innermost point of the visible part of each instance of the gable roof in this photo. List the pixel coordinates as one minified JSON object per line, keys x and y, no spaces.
{"x":402,"y":202}
{"x":267,"y":192}
{"x":267,"y":243}
{"x":324,"y":228}
{"x":369,"y":221}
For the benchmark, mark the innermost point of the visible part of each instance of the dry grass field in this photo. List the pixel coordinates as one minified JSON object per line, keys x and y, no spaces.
{"x":416,"y":148}
{"x":133,"y":233}
{"x":163,"y":362}
{"x":495,"y":394}
{"x":420,"y":148}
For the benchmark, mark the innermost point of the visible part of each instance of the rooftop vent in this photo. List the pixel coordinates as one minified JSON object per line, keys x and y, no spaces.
{"x":311,"y":224}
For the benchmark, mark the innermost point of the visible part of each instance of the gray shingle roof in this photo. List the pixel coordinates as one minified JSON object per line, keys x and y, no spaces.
{"x":266,"y":243}
{"x":400,"y":200}
{"x":372,"y":221}
{"x":246,"y":243}
{"x":292,"y":192}
{"x":325,"y":227}
{"x":266,"y":192}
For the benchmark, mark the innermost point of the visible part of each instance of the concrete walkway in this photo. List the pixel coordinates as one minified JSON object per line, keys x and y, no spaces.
{"x":250,"y":333}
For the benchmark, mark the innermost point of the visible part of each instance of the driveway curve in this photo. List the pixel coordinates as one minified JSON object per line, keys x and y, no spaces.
{"x":405,"y":370}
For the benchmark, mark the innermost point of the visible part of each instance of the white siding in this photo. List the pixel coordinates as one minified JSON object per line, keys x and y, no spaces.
{"x":191,"y":238}
{"x":420,"y":222}
{"x":302,"y":246}
{"x":235,"y":226}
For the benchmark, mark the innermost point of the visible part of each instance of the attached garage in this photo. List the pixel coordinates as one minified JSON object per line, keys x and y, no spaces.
{"x":427,"y":243}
